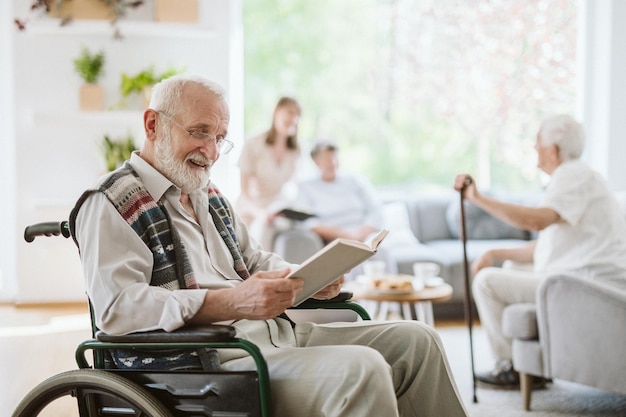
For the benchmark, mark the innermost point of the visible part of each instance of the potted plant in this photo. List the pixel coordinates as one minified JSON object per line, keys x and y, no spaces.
{"x":90,"y":67}
{"x":181,"y":11}
{"x":116,"y":151}
{"x":142,"y":83}
{"x":68,"y":10}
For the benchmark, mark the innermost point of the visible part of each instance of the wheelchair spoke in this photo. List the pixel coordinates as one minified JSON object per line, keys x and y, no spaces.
{"x":96,"y":392}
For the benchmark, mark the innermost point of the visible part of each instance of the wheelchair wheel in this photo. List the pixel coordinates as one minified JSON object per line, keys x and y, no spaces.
{"x":95,"y":392}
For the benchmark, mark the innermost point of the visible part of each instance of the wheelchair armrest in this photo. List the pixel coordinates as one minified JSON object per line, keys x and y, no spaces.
{"x":339,"y":298}
{"x":340,"y":302}
{"x":185,"y":334}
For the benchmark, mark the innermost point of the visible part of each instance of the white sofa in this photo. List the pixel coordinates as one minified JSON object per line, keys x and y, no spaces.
{"x":424,"y":227}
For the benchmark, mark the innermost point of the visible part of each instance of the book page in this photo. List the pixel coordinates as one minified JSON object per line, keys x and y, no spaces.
{"x":376,"y":240}
{"x":334,"y":260}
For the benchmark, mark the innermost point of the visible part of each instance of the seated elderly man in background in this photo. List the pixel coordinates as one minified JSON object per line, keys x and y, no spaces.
{"x":582,"y":231}
{"x":344,"y":204}
{"x":161,"y":247}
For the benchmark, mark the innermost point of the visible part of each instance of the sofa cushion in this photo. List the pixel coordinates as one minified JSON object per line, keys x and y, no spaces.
{"x":479,"y":224}
{"x":396,"y":220}
{"x":407,"y":255}
{"x":428,"y":217}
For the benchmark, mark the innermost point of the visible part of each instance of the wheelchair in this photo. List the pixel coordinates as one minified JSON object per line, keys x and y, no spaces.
{"x":97,"y":389}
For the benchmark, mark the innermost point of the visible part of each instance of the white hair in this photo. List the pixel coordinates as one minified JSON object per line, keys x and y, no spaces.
{"x":564,"y":132}
{"x":167,"y":94}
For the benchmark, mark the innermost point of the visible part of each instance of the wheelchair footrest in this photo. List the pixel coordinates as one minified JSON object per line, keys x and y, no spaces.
{"x":201,"y":393}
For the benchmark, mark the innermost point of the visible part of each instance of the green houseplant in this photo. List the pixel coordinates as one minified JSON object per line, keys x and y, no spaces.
{"x":68,"y":10}
{"x":116,"y":151}
{"x":90,"y":67}
{"x":142,"y":82}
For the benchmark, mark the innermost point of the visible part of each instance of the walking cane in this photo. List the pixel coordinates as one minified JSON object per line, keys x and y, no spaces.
{"x":468,"y":297}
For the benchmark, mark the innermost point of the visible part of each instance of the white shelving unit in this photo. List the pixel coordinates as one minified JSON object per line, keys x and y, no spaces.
{"x":56,"y":146}
{"x":129,"y":30}
{"x":105,"y":116}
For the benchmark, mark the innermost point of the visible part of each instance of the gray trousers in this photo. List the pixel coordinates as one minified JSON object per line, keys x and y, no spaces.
{"x":378,"y":369}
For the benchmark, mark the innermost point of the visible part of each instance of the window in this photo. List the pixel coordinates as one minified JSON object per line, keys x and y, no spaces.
{"x":416,"y":91}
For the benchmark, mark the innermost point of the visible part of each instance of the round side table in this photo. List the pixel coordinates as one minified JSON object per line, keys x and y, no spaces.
{"x":417,"y":304}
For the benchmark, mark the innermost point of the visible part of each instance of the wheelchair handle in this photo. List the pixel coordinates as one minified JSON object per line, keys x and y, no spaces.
{"x":47,"y":229}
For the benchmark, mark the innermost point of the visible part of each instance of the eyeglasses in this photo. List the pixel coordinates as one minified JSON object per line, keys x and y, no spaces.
{"x":223,"y":145}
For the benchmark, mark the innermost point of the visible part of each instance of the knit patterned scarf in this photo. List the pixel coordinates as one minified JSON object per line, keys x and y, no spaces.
{"x":150,"y":220}
{"x":171,"y":268}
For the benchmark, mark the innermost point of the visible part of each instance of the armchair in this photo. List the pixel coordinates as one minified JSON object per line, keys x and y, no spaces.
{"x":575,"y":332}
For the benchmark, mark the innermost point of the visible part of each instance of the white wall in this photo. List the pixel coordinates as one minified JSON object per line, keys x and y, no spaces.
{"x":8,"y":228}
{"x":51,"y":153}
{"x":603,"y":83}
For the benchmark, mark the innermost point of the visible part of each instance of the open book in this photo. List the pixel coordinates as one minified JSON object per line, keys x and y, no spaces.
{"x":332,"y":261}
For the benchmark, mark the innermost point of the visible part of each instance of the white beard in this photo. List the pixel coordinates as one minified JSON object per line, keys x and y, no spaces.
{"x":185,"y":178}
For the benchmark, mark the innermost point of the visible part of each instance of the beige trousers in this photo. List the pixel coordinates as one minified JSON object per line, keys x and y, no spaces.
{"x":496,"y":288}
{"x":378,"y":369}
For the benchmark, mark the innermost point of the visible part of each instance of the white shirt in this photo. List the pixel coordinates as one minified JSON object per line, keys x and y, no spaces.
{"x":590,"y":238}
{"x":117,"y":264}
{"x":347,"y":202}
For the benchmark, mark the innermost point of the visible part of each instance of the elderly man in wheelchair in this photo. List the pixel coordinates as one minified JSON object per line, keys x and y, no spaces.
{"x":162,"y":250}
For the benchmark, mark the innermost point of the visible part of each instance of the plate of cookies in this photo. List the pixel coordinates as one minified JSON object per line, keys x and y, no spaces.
{"x":393,"y":284}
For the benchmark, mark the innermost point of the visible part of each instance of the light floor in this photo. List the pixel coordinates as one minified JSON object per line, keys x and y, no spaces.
{"x":36,"y":343}
{"x":39,"y":342}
